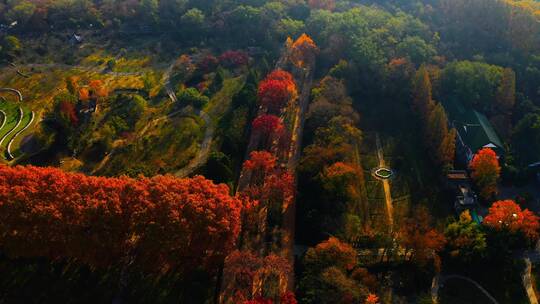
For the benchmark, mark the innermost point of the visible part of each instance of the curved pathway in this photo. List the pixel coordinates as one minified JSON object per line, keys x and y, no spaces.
{"x":16,"y":92}
{"x":32,"y":117}
{"x":21,"y":115}
{"x":527,"y":281}
{"x":204,"y":150}
{"x":4,"y":119}
{"x":440,"y":279}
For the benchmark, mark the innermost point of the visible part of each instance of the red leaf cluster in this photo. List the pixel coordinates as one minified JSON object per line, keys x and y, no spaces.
{"x":276,"y":90}
{"x":234,"y":58}
{"x":261,"y":161}
{"x":267,"y":124}
{"x":268,"y":180}
{"x":67,"y":109}
{"x":163,"y":221}
{"x":209,"y":63}
{"x":507,"y":215}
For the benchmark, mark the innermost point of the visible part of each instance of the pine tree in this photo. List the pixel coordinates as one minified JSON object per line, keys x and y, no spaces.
{"x":422,"y":98}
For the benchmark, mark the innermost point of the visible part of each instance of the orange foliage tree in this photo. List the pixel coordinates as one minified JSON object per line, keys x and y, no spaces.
{"x":98,"y":89}
{"x":507,"y":215}
{"x":84,"y":94}
{"x":267,"y":124}
{"x":372,"y":299}
{"x":68,"y":113}
{"x":419,"y":238}
{"x":303,"y":51}
{"x":256,"y":279}
{"x":161,"y":222}
{"x":485,"y":171}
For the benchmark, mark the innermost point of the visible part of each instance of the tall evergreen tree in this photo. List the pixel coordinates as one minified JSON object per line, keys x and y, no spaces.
{"x":422,"y":97}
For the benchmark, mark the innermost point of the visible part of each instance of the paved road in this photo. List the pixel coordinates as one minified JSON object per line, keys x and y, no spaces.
{"x":439,"y":280}
{"x":386,"y":185}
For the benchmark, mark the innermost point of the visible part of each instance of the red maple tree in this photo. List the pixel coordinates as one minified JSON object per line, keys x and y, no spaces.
{"x":267,"y":124}
{"x":507,"y":215}
{"x":276,"y":90}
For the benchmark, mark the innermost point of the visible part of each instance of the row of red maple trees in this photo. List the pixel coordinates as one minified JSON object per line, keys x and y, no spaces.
{"x":254,"y":277}
{"x":162,"y":222}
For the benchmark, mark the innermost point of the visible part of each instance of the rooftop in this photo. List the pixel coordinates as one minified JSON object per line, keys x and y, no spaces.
{"x":473,"y":127}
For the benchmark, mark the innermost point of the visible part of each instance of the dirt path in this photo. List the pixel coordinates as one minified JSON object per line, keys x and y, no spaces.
{"x":386,"y":186}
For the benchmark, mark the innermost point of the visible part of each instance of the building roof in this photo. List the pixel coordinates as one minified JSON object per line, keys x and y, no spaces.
{"x":473,"y":127}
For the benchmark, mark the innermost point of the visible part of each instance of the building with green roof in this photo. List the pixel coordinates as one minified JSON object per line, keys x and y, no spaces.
{"x":474,"y":131}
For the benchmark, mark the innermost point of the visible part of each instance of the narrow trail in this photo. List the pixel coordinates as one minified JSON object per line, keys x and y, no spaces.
{"x":204,"y":150}
{"x":10,"y":155}
{"x":439,"y":281}
{"x":21,"y":115}
{"x":386,"y":186}
{"x":4,"y":119}
{"x":527,"y":281}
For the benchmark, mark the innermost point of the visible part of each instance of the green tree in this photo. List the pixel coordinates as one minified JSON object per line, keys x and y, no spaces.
{"x":526,"y":139}
{"x":465,"y":238}
{"x":192,"y":97}
{"x":474,"y":83}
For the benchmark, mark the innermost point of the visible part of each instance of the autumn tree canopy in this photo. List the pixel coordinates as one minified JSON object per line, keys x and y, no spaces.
{"x":419,"y":238}
{"x":267,"y":124}
{"x":465,"y":238}
{"x":277,"y":90}
{"x":303,"y":50}
{"x":255,"y":279}
{"x":507,"y":215}
{"x":485,"y":171}
{"x":438,"y":137}
{"x":163,"y":221}
{"x":330,"y":274}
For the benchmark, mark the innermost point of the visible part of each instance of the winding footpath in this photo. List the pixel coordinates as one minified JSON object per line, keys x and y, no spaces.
{"x":204,"y":150}
{"x":4,"y":119}
{"x":21,"y":115}
{"x":14,"y":91}
{"x":10,"y":155}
